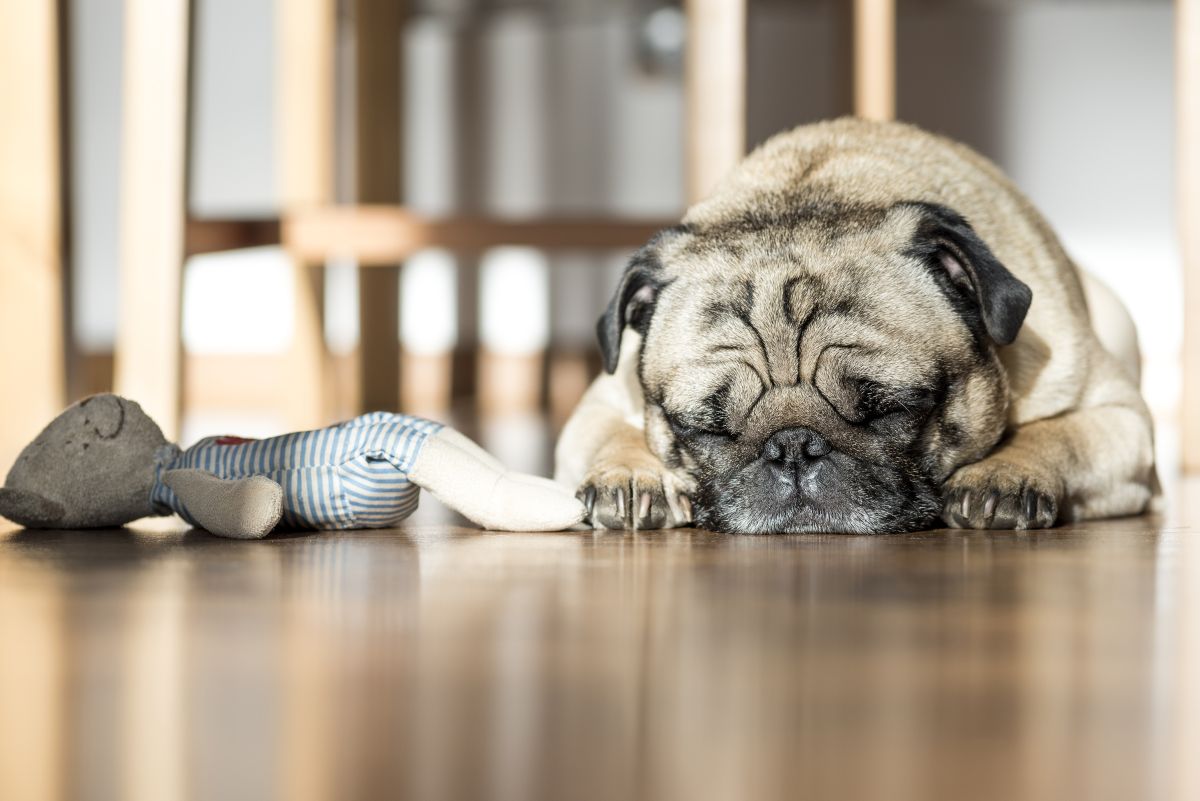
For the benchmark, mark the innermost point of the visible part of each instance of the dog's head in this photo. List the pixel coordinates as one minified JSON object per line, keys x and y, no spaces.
{"x":821,"y":370}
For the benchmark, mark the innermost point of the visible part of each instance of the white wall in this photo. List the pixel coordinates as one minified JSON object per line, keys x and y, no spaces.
{"x":233,"y":125}
{"x":95,"y":146}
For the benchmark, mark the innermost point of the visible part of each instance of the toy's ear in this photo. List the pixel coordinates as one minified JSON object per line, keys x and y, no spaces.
{"x":106,"y":413}
{"x":29,"y":509}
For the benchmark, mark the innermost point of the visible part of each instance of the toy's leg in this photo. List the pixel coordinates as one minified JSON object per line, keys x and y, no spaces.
{"x":468,"y":480}
{"x":464,"y":443}
{"x":245,"y":509}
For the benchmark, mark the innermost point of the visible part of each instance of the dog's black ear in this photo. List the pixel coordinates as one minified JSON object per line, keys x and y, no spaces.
{"x":949,"y":243}
{"x":632,"y":305}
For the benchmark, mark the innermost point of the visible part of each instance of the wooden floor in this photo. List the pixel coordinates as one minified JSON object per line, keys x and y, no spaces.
{"x":438,"y":662}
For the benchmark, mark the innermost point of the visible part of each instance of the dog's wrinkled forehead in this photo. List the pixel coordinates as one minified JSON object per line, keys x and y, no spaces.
{"x":763,"y":304}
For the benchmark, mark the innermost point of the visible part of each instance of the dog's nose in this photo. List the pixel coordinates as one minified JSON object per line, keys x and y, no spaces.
{"x":791,"y":448}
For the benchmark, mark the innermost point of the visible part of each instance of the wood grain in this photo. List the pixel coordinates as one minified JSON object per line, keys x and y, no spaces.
{"x":442,"y":662}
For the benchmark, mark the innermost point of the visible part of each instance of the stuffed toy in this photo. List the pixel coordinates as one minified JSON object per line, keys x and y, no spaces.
{"x":103,"y":462}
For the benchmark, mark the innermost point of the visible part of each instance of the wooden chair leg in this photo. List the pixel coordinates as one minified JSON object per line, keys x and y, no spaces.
{"x":307,"y":36}
{"x":715,"y":88}
{"x":1187,"y":37}
{"x":378,"y":175}
{"x":309,"y":401}
{"x":154,"y":154}
{"x":32,"y":369}
{"x":875,"y":59}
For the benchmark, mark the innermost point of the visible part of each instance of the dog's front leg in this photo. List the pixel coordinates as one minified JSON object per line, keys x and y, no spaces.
{"x":603,"y":452}
{"x":1097,"y":461}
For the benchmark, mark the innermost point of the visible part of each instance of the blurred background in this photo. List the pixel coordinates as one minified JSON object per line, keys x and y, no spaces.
{"x":279,"y":213}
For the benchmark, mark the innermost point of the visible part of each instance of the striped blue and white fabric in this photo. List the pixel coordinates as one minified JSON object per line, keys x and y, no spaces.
{"x":352,"y":475}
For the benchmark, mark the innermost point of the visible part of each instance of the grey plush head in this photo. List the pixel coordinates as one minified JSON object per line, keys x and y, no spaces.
{"x":823,"y":369}
{"x":92,"y":467}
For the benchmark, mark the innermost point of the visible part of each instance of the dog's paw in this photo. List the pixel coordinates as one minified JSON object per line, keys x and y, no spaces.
{"x":995,"y":494}
{"x":642,"y":496}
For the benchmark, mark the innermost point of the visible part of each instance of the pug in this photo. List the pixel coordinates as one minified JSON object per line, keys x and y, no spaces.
{"x":865,"y":328}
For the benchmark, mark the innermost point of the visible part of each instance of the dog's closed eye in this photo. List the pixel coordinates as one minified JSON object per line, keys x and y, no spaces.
{"x":877,"y":400}
{"x":694,"y":429}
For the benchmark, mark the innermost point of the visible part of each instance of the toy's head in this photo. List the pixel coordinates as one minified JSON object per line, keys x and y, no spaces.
{"x":92,"y":467}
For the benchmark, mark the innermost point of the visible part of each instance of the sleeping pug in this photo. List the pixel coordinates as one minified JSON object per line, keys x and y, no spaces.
{"x":866,"y":328}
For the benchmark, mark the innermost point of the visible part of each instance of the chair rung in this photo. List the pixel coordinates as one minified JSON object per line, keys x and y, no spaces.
{"x":382,"y":235}
{"x":213,"y":235}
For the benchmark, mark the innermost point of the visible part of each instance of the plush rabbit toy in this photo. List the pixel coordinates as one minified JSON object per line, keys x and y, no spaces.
{"x":103,"y":462}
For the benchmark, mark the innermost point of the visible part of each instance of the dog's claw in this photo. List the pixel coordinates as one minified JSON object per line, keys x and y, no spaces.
{"x":623,"y":498}
{"x":685,"y":505}
{"x":588,"y":496}
{"x":989,"y":505}
{"x":996,"y":497}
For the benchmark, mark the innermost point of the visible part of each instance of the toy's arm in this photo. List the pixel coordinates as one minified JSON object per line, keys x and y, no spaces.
{"x":244,"y":508}
{"x":469,"y":480}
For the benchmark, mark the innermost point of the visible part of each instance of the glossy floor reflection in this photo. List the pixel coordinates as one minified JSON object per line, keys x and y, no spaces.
{"x":447,"y":663}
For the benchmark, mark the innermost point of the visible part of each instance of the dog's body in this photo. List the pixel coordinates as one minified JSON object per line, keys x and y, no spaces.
{"x":842,"y":338}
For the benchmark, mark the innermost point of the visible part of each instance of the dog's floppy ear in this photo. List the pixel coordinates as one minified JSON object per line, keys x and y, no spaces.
{"x":632,"y":305}
{"x":949,"y":243}
{"x":28,"y":508}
